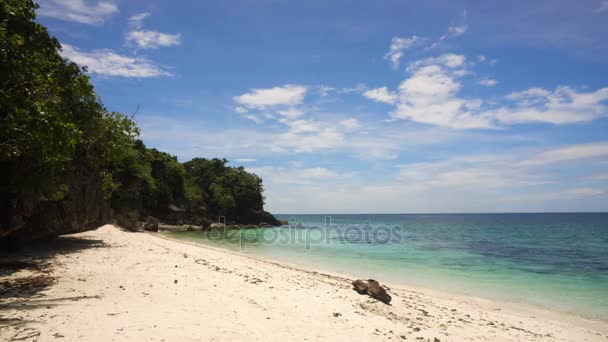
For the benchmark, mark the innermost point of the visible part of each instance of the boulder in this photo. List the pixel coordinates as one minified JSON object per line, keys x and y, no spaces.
{"x":373,"y":289}
{"x":360,"y":286}
{"x":127,"y":219}
{"x":151,"y":224}
{"x":378,"y":292}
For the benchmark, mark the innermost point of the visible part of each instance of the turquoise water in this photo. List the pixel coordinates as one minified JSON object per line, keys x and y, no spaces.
{"x":558,"y":261}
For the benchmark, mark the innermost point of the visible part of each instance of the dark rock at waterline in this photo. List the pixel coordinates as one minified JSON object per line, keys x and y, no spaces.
{"x":373,"y":289}
{"x":24,"y":218}
{"x":127,"y":219}
{"x":151,"y":224}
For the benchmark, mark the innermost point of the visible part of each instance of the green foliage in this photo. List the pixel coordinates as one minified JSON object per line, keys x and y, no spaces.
{"x":226,"y":190}
{"x":54,"y":132}
{"x":51,"y":121}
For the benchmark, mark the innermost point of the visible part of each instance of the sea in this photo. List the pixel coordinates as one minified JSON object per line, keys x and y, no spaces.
{"x":558,"y":261}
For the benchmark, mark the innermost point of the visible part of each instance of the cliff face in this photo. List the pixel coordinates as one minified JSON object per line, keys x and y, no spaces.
{"x":25,"y":218}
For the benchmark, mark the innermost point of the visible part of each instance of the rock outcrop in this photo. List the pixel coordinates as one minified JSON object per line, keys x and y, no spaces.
{"x":83,"y":208}
{"x":373,"y":289}
{"x":151,"y":224}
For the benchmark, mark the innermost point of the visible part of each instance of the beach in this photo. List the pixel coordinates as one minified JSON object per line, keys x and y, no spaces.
{"x":112,"y":285}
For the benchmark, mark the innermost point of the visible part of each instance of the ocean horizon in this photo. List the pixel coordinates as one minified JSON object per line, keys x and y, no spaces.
{"x":557,"y":261}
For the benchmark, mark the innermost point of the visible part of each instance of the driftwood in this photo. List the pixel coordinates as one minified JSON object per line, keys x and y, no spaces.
{"x":373,"y":289}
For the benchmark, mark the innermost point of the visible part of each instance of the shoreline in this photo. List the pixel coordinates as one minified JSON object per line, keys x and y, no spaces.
{"x":115,"y":285}
{"x":489,"y":302}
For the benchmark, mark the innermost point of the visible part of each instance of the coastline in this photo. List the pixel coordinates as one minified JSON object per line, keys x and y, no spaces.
{"x":136,"y":286}
{"x":488,"y":303}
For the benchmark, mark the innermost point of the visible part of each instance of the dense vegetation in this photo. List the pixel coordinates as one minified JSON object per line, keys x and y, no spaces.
{"x":64,"y":155}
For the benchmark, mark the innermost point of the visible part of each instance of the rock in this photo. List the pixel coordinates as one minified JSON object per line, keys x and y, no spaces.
{"x":127,"y":219}
{"x":151,"y":224}
{"x":360,"y":286}
{"x":373,"y":289}
{"x":24,"y":218}
{"x":378,"y":292}
{"x":337,"y":314}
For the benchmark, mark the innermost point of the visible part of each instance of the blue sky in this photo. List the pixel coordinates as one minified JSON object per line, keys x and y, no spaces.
{"x":364,"y":106}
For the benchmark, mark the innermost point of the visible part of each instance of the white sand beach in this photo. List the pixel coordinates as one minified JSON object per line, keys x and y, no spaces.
{"x":111,"y":285}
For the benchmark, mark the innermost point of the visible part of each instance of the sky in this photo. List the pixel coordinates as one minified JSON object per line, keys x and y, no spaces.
{"x":364,"y":106}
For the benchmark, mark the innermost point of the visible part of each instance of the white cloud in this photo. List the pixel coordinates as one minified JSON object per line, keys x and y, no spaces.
{"x":240,"y":110}
{"x":245,"y":160}
{"x":381,"y":94}
{"x":603,"y":7}
{"x":398,"y":47}
{"x":481,"y":58}
{"x":289,"y":95}
{"x":281,"y":175}
{"x":586,"y":192}
{"x":79,"y":11}
{"x":453,"y":31}
{"x":449,"y":60}
{"x":137,"y":20}
{"x":429,"y":96}
{"x":291,"y":112}
{"x":325,"y":138}
{"x":350,"y":123}
{"x":149,"y":39}
{"x":562,"y":106}
{"x":488,"y":82}
{"x":356,"y":89}
{"x":306,"y":136}
{"x":325,"y":90}
{"x":192,"y":139}
{"x":561,"y":195}
{"x":456,"y":31}
{"x":568,"y":153}
{"x":496,"y":170}
{"x":485,"y":183}
{"x":254,"y":118}
{"x":109,"y":63}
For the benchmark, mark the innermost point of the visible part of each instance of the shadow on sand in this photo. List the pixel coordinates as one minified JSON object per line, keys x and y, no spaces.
{"x":37,"y":259}
{"x":24,"y":274}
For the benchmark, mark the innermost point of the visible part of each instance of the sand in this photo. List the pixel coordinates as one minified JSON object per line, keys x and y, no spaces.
{"x":111,"y":285}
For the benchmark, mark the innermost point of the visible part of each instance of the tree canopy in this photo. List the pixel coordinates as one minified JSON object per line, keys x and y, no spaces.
{"x":54,"y":130}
